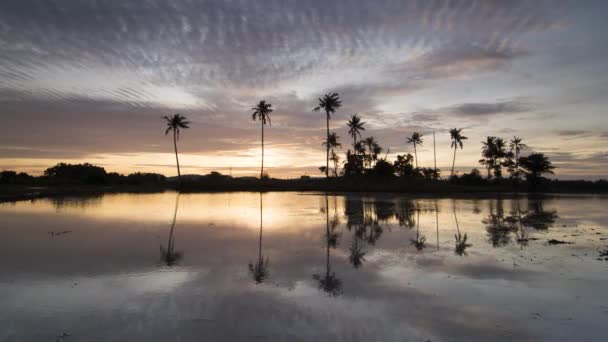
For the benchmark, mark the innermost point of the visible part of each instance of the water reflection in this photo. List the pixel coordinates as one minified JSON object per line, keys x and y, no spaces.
{"x":328,"y":281}
{"x":461,"y":240}
{"x":420,"y":241}
{"x":168,"y":255}
{"x":259,"y":269}
{"x":102,"y":269}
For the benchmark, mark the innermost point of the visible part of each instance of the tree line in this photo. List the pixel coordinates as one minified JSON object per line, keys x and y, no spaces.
{"x":365,"y":157}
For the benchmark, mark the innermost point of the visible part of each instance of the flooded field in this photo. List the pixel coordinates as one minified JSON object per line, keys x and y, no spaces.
{"x":303,"y":267}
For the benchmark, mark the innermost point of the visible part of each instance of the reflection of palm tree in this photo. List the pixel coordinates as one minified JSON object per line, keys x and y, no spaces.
{"x":262,"y":112}
{"x":499,"y":227}
{"x":461,"y":240}
{"x":415,"y":139}
{"x":420,"y":241}
{"x":328,"y":282}
{"x":174,"y":123}
{"x":169,"y":256}
{"x":405,"y":213}
{"x":357,"y":254}
{"x":522,"y":235}
{"x":329,"y":103}
{"x":259,"y":270}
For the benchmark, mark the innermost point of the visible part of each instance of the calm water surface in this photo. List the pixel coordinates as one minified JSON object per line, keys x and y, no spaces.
{"x":302,"y":267}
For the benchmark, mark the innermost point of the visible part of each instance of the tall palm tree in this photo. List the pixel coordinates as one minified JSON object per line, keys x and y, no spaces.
{"x":535,"y":165}
{"x":262,"y":112}
{"x":500,"y":153}
{"x":516,"y":145}
{"x":175,"y":123}
{"x":355,"y":126}
{"x":329,"y":102}
{"x":457,"y":138}
{"x":415,"y":139}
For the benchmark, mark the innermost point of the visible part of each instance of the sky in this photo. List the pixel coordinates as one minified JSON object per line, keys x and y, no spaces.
{"x":88,"y":81}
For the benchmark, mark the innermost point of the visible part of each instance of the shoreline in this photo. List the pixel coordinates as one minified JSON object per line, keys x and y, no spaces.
{"x":15,"y":193}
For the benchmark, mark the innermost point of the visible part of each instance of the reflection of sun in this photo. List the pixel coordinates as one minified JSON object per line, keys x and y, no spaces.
{"x":281,"y":211}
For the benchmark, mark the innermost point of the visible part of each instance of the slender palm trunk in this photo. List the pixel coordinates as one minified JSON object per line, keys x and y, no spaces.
{"x":416,"y":155}
{"x":456,"y":219}
{"x":327,"y":154}
{"x":454,"y":160}
{"x":179,"y":175}
{"x":262,"y":171}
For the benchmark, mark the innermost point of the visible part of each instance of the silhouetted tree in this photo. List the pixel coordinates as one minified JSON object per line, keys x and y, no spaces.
{"x":175,"y":123}
{"x":329,"y":102}
{"x":355,"y":126}
{"x":415,"y":139}
{"x":457,"y":138}
{"x":420,"y":241}
{"x":535,"y":165}
{"x":404,"y":165}
{"x":516,"y":146}
{"x":333,"y":142}
{"x":262,"y":112}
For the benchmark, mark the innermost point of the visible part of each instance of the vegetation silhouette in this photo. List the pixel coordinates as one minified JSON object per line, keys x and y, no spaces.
{"x":457,"y":138}
{"x":333,"y":142}
{"x":174,"y":124}
{"x":498,"y":225}
{"x":534,"y":166}
{"x":328,"y":281}
{"x":168,"y":255}
{"x":415,"y":139}
{"x":262,"y":112}
{"x":329,"y":103}
{"x":516,"y":146}
{"x":259,"y":270}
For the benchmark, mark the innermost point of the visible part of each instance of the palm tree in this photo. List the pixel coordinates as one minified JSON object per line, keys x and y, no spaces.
{"x":262,"y":112}
{"x":415,"y":139}
{"x":329,"y":103}
{"x":333,"y":142}
{"x":487,"y":152}
{"x":355,"y":126}
{"x":500,"y":152}
{"x":516,"y":146}
{"x":175,"y":123}
{"x":457,"y":139}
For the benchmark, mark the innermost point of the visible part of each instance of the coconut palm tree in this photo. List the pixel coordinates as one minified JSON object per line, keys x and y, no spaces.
{"x":355,"y":126}
{"x":175,"y":123}
{"x":516,"y":145}
{"x":457,"y":138}
{"x":333,"y":142}
{"x":329,"y":102}
{"x":415,"y":139}
{"x":262,"y":112}
{"x":487,"y":152}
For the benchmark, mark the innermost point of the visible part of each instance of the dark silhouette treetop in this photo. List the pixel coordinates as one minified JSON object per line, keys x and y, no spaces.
{"x":355,"y":126}
{"x":329,"y":102}
{"x":262,"y":111}
{"x":416,"y":138}
{"x":176,"y":122}
{"x":457,"y":137}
